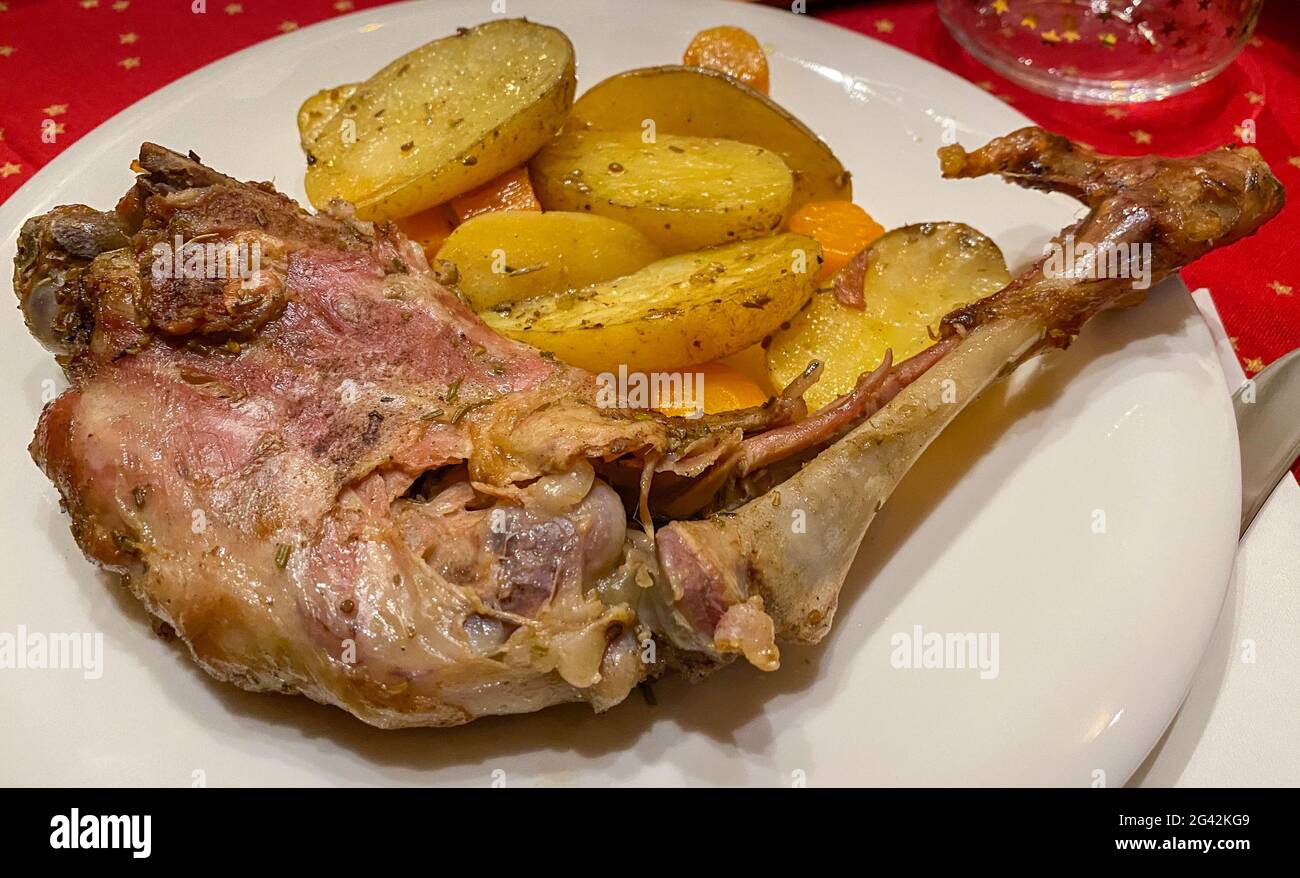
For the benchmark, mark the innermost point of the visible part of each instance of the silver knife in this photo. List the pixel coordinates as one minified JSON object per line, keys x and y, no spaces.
{"x":1268,"y":424}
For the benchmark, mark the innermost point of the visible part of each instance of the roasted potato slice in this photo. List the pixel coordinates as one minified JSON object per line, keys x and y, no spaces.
{"x":676,"y":312}
{"x":914,"y":276}
{"x":511,"y":255}
{"x":440,"y":120}
{"x":320,"y":108}
{"x":684,"y":193}
{"x":708,"y":103}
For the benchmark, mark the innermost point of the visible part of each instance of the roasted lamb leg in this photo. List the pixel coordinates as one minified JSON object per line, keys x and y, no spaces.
{"x":329,"y":477}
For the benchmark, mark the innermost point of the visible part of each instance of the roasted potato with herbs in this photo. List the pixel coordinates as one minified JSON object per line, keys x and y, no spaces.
{"x":701,"y":102}
{"x":320,"y":107}
{"x":511,"y":255}
{"x":684,"y":193}
{"x":914,"y":276}
{"x":440,"y":120}
{"x":676,"y":312}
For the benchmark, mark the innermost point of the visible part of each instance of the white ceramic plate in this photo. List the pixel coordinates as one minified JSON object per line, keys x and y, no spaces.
{"x":995,"y":532}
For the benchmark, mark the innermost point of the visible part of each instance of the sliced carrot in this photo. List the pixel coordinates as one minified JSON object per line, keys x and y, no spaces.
{"x":841,"y":227}
{"x":752,"y":363}
{"x":510,"y":191}
{"x":428,"y":228}
{"x":725,"y":389}
{"x":731,"y":50}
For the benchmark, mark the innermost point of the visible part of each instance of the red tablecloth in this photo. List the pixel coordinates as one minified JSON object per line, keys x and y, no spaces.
{"x":68,"y":65}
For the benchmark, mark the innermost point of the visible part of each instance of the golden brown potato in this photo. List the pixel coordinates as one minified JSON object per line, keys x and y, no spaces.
{"x":676,"y":312}
{"x":440,"y":120}
{"x":516,"y":254}
{"x":914,"y":276}
{"x":684,"y":193}
{"x":707,"y":103}
{"x":319,"y":108}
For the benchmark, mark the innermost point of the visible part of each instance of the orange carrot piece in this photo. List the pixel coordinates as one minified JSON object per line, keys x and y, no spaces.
{"x":731,"y":50}
{"x":752,"y":363}
{"x":428,"y":228}
{"x":510,"y":191}
{"x":841,"y":227}
{"x":725,"y":389}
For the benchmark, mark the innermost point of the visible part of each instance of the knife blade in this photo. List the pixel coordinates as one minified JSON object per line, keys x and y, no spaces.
{"x":1268,"y":425}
